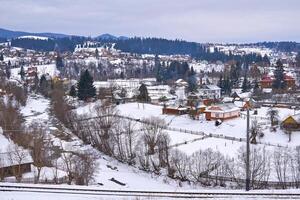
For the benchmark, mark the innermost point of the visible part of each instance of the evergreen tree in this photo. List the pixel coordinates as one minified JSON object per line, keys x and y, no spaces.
{"x":245,"y":86}
{"x":266,"y":60}
{"x":220,"y":82}
{"x":45,"y":86}
{"x":85,"y":86}
{"x":227,"y":86}
{"x":234,"y":73}
{"x":59,"y":61}
{"x":36,"y":82}
{"x":298,"y":60}
{"x":7,"y":72}
{"x":73,"y":92}
{"x":192,"y":80}
{"x":97,"y":53}
{"x":143,"y":94}
{"x":122,"y":75}
{"x":22,"y":73}
{"x":1,"y":57}
{"x":279,"y":82}
{"x":256,"y":89}
{"x":158,"y":69}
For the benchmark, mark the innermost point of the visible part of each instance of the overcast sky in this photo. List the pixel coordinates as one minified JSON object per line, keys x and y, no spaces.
{"x":193,"y":20}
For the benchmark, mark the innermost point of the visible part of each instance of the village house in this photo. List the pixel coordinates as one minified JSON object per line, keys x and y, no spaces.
{"x":159,"y":93}
{"x":12,"y":165}
{"x":291,"y":123}
{"x":222,"y":111}
{"x":267,"y":81}
{"x":179,"y":110}
{"x":181,"y":83}
{"x":31,"y":74}
{"x":209,"y":92}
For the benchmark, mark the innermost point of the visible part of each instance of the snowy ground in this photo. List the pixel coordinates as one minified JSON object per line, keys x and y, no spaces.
{"x":37,"y":110}
{"x":41,"y":196}
{"x":49,"y":193}
{"x":234,"y":127}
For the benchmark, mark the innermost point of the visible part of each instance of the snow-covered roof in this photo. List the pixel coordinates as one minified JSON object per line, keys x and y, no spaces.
{"x":227,"y":99}
{"x":226,"y":107}
{"x":213,"y":87}
{"x":11,"y":158}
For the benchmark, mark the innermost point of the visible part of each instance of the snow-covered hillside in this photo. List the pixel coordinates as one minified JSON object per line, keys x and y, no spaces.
{"x":33,"y":37}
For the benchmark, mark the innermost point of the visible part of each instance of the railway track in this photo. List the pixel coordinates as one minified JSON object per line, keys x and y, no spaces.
{"x":149,"y":194}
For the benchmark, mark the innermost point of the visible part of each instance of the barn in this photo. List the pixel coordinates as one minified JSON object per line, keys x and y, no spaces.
{"x":12,"y":163}
{"x":222,"y":111}
{"x":180,"y":110}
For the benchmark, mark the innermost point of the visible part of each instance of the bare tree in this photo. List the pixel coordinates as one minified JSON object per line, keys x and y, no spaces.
{"x":255,"y":131}
{"x":202,"y":164}
{"x":282,"y":160}
{"x":85,"y":167}
{"x":295,"y":166}
{"x":68,"y":164}
{"x":40,"y":150}
{"x":180,"y":163}
{"x":2,"y":165}
{"x":105,"y":122}
{"x":17,"y":156}
{"x":152,"y":129}
{"x":259,"y":165}
{"x":163,"y":150}
{"x":130,"y":141}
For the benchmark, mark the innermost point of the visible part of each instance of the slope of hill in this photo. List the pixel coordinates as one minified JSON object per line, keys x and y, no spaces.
{"x":4,"y":33}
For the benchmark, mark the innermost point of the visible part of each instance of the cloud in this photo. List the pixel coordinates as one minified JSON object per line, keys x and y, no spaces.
{"x":196,"y":20}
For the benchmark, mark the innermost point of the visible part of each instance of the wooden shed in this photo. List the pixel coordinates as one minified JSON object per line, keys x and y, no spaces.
{"x":180,"y":110}
{"x":291,"y":123}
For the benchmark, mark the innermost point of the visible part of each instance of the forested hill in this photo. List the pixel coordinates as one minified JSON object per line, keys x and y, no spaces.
{"x":61,"y":44}
{"x":138,"y":45}
{"x":281,"y":46}
{"x":172,"y":47}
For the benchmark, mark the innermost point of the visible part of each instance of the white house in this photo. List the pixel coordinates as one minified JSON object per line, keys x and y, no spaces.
{"x":210,"y":92}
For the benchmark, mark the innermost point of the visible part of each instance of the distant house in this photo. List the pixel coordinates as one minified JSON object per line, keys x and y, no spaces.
{"x":31,"y":74}
{"x":210,"y":92}
{"x":159,"y":93}
{"x":180,"y":110}
{"x":181,"y":83}
{"x":243,"y":105}
{"x":267,"y":81}
{"x":222,"y":111}
{"x":291,"y":123}
{"x":192,"y":99}
{"x":9,"y":166}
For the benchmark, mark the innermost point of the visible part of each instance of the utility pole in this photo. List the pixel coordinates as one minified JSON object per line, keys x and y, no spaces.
{"x":248,"y":154}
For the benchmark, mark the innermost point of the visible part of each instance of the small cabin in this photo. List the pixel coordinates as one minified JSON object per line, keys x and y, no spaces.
{"x":291,"y":123}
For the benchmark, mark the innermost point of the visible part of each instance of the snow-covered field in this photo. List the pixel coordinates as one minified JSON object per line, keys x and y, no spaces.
{"x":234,"y":127}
